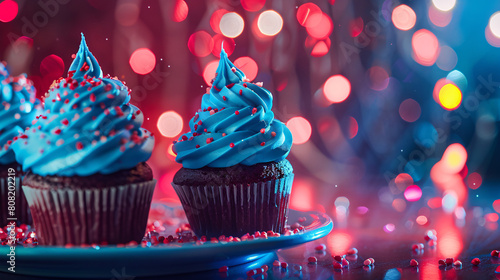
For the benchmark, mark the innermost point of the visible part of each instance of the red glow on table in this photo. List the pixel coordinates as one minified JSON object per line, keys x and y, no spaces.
{"x":450,"y":241}
{"x":305,"y":13}
{"x":165,"y":184}
{"x":353,"y":127}
{"x":302,"y":197}
{"x":8,"y":10}
{"x":410,"y":110}
{"x":142,"y":61}
{"x":200,"y":43}
{"x":413,"y":193}
{"x":337,"y":88}
{"x":52,"y":66}
{"x":180,"y":11}
{"x":248,"y":66}
{"x":252,"y":5}
{"x":403,"y":17}
{"x":339,"y":242}
{"x":229,"y":45}
{"x":215,"y":20}
{"x":322,"y":29}
{"x":425,"y":47}
{"x":209,"y":72}
{"x":300,"y":128}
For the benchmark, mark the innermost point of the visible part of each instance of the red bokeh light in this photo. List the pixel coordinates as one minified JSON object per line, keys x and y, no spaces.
{"x":339,"y":242}
{"x":403,"y":17}
{"x":379,"y":78}
{"x":410,"y":110}
{"x":8,"y":10}
{"x":403,"y":180}
{"x":413,"y":193}
{"x":305,"y":12}
{"x":229,"y":45}
{"x":356,"y":26}
{"x":439,"y":18}
{"x":52,"y":66}
{"x":321,"y":47}
{"x":496,"y":205}
{"x":180,"y":11}
{"x":215,"y":20}
{"x":209,"y":71}
{"x":300,"y":128}
{"x":337,"y":88}
{"x":425,"y":47}
{"x":474,"y":180}
{"x":321,"y":30}
{"x":142,"y":61}
{"x":200,"y":43}
{"x":353,"y":127}
{"x":248,"y":66}
{"x":491,"y":217}
{"x":253,"y":5}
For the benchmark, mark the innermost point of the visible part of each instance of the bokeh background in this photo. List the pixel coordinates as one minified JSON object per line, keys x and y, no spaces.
{"x":394,"y":105}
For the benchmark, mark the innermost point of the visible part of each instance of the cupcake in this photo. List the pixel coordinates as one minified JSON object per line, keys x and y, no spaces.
{"x":86,"y":178}
{"x":235,"y":178}
{"x":18,"y":108}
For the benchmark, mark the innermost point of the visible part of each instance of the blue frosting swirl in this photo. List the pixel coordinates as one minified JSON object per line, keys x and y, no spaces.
{"x":88,"y":126}
{"x":18,"y":107}
{"x":235,"y":125}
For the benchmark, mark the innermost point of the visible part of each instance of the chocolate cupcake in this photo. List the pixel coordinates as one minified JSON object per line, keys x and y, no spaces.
{"x":86,"y":178}
{"x":18,"y":108}
{"x":235,"y":178}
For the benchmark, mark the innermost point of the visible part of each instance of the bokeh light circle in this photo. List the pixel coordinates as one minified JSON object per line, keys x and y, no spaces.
{"x":252,"y":5}
{"x":494,"y":24}
{"x":454,"y":158}
{"x":215,"y":20}
{"x":321,"y":30}
{"x":300,"y":128}
{"x":52,"y":66}
{"x":231,"y":25}
{"x":353,"y":127}
{"x":337,"y":88}
{"x":439,"y":18}
{"x":403,"y":17}
{"x":444,"y":5}
{"x":304,"y":13}
{"x":180,"y":11}
{"x":142,"y":61}
{"x":474,"y":180}
{"x":229,"y":45}
{"x":447,"y":59}
{"x":450,"y":97}
{"x":170,"y":124}
{"x":200,"y":43}
{"x":270,"y":23}
{"x":496,"y":205}
{"x":425,"y":47}
{"x":8,"y":10}
{"x":413,"y":193}
{"x":248,"y":66}
{"x":410,"y":110}
{"x":379,"y":78}
{"x":209,"y":72}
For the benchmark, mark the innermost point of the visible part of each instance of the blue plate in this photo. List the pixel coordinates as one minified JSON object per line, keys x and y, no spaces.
{"x":110,"y":261}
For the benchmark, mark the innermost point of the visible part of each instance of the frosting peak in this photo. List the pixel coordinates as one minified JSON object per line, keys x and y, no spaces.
{"x":235,"y":124}
{"x":88,"y":126}
{"x":84,"y":63}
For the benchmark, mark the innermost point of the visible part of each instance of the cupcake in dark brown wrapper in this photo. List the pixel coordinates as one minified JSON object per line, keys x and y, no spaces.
{"x":235,"y":178}
{"x":86,"y":178}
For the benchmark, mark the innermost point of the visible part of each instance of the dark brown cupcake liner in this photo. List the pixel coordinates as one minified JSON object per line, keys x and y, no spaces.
{"x":21,"y":211}
{"x":236,"y":209}
{"x":113,"y":215}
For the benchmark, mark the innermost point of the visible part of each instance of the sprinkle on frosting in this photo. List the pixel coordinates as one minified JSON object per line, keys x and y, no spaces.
{"x":235,"y":124}
{"x":86,"y":120}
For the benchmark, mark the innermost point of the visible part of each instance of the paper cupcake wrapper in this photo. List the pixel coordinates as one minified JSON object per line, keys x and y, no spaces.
{"x":115,"y":215}
{"x":22,"y":211}
{"x":236,"y":209}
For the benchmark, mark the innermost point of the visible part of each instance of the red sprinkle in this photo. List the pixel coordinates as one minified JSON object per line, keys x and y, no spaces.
{"x":231,"y":145}
{"x":345,"y":262}
{"x":351,"y":251}
{"x":495,"y":253}
{"x":251,"y":273}
{"x":449,"y":260}
{"x":92,"y":97}
{"x":273,"y":134}
{"x":265,"y":267}
{"x":476,"y":261}
{"x":262,"y":130}
{"x":276,"y":263}
{"x":312,"y":259}
{"x":79,"y":145}
{"x":224,"y":269}
{"x":254,"y":110}
{"x":337,"y":265}
{"x":284,"y":265}
{"x":441,"y":262}
{"x":197,"y":146}
{"x":337,"y":258}
{"x":263,"y":143}
{"x":209,"y":140}
{"x":413,"y":263}
{"x":224,"y":98}
{"x":241,"y":92}
{"x":236,"y":112}
{"x":65,"y":122}
{"x":57,"y":131}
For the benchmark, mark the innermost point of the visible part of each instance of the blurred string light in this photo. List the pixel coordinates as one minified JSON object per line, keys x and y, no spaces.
{"x":337,"y":88}
{"x":229,"y":45}
{"x":209,"y":72}
{"x":444,"y":5}
{"x":180,"y":11}
{"x":410,"y":110}
{"x":231,"y":25}
{"x":248,"y":66}
{"x":8,"y":10}
{"x":403,"y":17}
{"x":270,"y":23}
{"x":142,"y":61}
{"x":438,"y":17}
{"x":200,"y":43}
{"x":450,"y":97}
{"x":170,"y":124}
{"x":425,"y":47}
{"x":300,"y":128}
{"x":253,"y":5}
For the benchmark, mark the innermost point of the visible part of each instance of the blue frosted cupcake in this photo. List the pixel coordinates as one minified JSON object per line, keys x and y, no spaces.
{"x":235,"y":177}
{"x":86,"y":178}
{"x":18,"y":108}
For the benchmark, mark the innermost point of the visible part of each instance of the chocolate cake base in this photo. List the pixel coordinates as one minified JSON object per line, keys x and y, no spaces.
{"x":21,"y":209}
{"x":236,"y":200}
{"x":98,"y":209}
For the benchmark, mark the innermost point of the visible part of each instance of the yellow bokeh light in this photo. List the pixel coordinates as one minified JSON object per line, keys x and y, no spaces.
{"x":450,"y":97}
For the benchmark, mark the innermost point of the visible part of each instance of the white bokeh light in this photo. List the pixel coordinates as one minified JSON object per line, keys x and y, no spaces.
{"x":231,"y":25}
{"x":444,"y":5}
{"x":270,"y":23}
{"x":494,"y":24}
